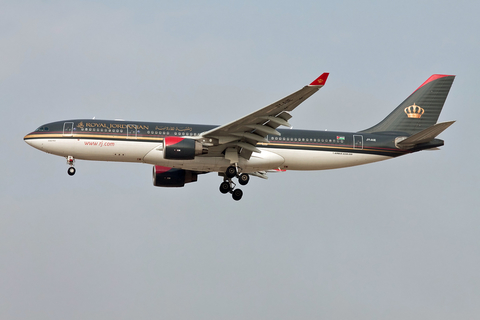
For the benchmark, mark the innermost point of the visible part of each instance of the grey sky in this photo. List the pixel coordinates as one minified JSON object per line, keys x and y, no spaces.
{"x":392,"y":240}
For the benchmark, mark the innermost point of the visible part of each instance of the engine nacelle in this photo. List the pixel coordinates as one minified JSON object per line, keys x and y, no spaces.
{"x":171,"y":177}
{"x":178,"y":148}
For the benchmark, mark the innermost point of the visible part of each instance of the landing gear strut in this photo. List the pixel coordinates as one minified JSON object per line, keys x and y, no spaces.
{"x":71,"y":170}
{"x":228,"y":186}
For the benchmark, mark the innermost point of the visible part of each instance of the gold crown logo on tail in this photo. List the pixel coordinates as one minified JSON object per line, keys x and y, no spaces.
{"x":414,"y":111}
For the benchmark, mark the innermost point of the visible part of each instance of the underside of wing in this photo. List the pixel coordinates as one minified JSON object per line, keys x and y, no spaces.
{"x":240,"y":137}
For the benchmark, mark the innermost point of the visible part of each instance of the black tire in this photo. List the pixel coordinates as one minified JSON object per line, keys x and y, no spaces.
{"x":231,"y":172}
{"x":71,"y":171}
{"x":237,"y":194}
{"x":225,"y":187}
{"x":243,"y":179}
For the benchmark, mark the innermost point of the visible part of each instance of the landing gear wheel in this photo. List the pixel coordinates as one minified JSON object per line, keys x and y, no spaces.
{"x":71,"y":171}
{"x":225,"y":187}
{"x":231,"y":172}
{"x":243,"y":179}
{"x":237,"y":194}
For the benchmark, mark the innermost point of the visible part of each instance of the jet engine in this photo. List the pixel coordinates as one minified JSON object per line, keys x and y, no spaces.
{"x":178,"y":148}
{"x":171,"y":177}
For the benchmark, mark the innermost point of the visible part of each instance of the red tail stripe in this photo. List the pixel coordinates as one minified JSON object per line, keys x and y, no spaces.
{"x":433,"y":78}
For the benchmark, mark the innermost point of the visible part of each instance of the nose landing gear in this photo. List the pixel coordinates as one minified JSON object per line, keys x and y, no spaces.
{"x":228,"y":186}
{"x":71,"y":170}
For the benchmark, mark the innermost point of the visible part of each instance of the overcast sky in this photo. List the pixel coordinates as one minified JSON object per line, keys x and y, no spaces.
{"x":397,"y":239}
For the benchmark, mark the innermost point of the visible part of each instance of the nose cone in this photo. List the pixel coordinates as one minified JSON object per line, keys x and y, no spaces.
{"x":36,"y":143}
{"x":27,"y":139}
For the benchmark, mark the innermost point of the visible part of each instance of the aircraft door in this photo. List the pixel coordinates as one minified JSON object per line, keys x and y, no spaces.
{"x":68,"y":129}
{"x":131,"y":131}
{"x":357,"y":141}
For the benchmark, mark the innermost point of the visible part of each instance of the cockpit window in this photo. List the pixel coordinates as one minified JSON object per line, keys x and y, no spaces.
{"x":41,"y":129}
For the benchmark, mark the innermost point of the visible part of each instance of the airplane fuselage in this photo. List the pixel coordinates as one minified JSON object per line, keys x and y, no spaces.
{"x":142,"y":142}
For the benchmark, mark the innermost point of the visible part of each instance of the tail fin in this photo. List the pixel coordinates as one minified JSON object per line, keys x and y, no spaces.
{"x":420,"y":110}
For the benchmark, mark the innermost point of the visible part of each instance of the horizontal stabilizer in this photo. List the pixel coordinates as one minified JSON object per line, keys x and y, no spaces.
{"x":424,"y":136}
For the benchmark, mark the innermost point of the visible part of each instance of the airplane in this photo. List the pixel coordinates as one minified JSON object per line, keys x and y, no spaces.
{"x":252,"y":145}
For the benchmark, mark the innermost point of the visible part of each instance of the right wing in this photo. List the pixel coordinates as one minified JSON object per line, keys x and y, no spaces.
{"x":241,"y":136}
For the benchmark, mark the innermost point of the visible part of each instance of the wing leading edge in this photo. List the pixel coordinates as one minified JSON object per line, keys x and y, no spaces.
{"x":241,"y":136}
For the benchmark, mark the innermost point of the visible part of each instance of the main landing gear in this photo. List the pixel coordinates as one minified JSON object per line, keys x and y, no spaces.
{"x":228,"y":186}
{"x":71,"y":170}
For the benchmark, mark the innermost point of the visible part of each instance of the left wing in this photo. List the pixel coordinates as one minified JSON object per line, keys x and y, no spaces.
{"x":240,"y":137}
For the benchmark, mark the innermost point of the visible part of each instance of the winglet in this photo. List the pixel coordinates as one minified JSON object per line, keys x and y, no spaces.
{"x":320,"y":81}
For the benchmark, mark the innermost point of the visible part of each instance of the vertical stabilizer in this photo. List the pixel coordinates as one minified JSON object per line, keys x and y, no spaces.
{"x":420,"y":110}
